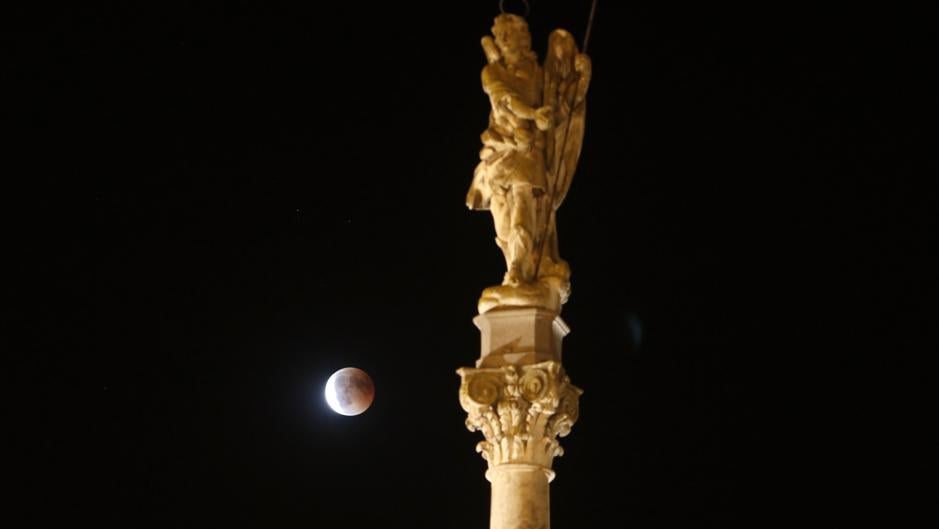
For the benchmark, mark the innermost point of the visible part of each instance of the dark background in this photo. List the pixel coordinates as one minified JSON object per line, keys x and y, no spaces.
{"x":276,"y":191}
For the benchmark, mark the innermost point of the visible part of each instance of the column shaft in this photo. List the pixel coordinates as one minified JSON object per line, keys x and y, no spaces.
{"x":520,"y":497}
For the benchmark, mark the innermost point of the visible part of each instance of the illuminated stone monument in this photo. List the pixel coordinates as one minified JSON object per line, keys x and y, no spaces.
{"x":518,"y":395}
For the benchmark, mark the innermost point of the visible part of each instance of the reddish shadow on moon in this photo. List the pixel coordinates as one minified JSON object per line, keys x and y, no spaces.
{"x":349,"y":391}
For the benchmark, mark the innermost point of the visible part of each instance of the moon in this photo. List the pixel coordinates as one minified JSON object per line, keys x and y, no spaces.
{"x":349,"y":391}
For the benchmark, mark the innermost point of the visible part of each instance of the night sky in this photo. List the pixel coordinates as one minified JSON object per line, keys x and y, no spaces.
{"x":277,"y":191}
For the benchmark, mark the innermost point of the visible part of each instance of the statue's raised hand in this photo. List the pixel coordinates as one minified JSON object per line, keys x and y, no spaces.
{"x":544,"y":118}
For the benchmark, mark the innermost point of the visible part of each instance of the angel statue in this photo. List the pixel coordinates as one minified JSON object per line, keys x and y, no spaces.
{"x":529,"y":153}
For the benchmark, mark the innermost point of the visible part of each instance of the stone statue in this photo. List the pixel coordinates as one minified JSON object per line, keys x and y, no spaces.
{"x":530,"y":151}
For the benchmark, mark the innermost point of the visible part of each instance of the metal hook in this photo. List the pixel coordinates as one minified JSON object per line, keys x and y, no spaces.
{"x":527,"y":7}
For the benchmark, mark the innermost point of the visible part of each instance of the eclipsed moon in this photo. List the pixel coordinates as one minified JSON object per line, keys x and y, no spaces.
{"x":349,"y":391}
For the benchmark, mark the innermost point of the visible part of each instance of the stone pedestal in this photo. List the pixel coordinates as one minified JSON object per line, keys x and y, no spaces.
{"x":519,"y":336}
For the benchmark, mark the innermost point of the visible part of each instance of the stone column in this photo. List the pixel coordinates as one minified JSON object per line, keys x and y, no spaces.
{"x":521,"y":400}
{"x":520,"y":497}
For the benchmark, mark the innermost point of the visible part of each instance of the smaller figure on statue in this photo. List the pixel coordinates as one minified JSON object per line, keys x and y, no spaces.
{"x":530,"y":150}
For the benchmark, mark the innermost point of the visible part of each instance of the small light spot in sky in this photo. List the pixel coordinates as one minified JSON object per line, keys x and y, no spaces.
{"x":635,"y":329}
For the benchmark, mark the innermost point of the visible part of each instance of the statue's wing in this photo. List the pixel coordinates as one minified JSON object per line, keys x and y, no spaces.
{"x":565,"y":86}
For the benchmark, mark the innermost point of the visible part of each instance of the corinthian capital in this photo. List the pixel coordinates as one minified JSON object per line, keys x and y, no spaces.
{"x":521,"y":410}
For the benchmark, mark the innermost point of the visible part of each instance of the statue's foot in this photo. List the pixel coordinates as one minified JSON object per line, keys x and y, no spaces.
{"x":540,"y":294}
{"x":514,"y":277}
{"x":560,"y":285}
{"x":557,"y":274}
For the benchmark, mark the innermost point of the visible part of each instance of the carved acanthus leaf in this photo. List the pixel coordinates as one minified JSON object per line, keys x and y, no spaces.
{"x":520,"y":410}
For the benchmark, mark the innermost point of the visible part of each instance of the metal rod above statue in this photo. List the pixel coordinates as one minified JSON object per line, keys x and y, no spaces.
{"x":529,"y":154}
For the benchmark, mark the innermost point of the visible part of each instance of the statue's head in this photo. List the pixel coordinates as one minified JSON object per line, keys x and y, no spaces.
{"x":512,"y":37}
